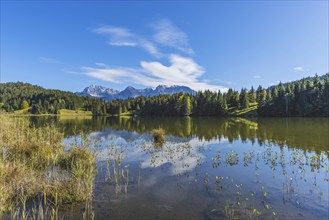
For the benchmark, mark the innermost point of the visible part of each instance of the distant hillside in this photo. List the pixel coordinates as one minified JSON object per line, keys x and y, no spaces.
{"x":309,"y":78}
{"x":305,"y":97}
{"x":131,"y":92}
{"x":37,"y":100}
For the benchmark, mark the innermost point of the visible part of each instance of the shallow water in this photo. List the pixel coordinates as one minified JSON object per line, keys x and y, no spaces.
{"x":207,"y":168}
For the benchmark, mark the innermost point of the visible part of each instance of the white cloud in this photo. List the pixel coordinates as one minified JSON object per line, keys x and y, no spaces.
{"x":123,"y":37}
{"x":166,"y":34}
{"x":101,"y":64}
{"x":123,"y":43}
{"x":171,"y":36}
{"x":114,"y":31}
{"x":70,"y":72}
{"x":223,"y":81}
{"x":106,"y":73}
{"x":181,"y":71}
{"x":257,"y":77}
{"x":299,"y":69}
{"x":151,"y":48}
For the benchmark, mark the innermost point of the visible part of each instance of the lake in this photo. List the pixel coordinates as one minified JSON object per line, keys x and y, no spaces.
{"x":207,"y":168}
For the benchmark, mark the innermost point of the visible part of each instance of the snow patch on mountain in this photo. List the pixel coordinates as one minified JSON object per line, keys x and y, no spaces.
{"x":131,"y":92}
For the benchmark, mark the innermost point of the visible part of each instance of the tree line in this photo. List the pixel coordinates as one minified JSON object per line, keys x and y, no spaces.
{"x":305,"y":97}
{"x":37,"y":100}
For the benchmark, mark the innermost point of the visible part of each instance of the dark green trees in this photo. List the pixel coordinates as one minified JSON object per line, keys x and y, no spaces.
{"x":20,"y":95}
{"x":306,"y":97}
{"x":244,"y":99}
{"x":187,"y":106}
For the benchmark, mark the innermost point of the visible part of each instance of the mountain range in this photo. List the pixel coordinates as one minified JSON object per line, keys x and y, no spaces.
{"x":131,"y":92}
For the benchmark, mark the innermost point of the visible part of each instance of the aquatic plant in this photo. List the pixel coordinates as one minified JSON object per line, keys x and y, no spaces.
{"x":216,"y":160}
{"x":232,"y":158}
{"x":229,"y":211}
{"x":114,"y":164}
{"x":158,"y":135}
{"x":247,"y":157}
{"x":35,"y":169}
{"x":315,"y":162}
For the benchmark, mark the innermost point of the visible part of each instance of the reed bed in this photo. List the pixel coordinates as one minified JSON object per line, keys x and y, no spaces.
{"x":37,"y":175}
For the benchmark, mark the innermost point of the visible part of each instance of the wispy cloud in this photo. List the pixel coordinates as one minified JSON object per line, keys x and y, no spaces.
{"x":64,"y":67}
{"x":100,"y":64}
{"x":165,"y":37}
{"x":181,"y":71}
{"x":123,"y":37}
{"x":299,"y":69}
{"x":113,"y":31}
{"x":151,"y":48}
{"x":123,"y":43}
{"x":71,"y":71}
{"x":114,"y":75}
{"x":223,"y":81}
{"x":166,"y":34}
{"x":49,"y":60}
{"x":257,"y":77}
{"x":169,"y":35}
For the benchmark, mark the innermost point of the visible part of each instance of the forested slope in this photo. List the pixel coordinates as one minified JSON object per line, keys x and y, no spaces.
{"x":305,"y":97}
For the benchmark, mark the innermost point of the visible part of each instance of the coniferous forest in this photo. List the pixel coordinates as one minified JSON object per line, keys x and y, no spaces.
{"x":305,"y":97}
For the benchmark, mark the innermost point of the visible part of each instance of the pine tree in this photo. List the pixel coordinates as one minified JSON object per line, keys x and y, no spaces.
{"x":235,"y":99}
{"x":252,"y":95}
{"x":119,"y":110}
{"x":244,"y":99}
{"x":187,"y":106}
{"x":124,"y":109}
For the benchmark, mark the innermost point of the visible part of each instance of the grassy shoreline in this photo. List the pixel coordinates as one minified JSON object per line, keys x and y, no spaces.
{"x":248,"y":112}
{"x":37,"y":175}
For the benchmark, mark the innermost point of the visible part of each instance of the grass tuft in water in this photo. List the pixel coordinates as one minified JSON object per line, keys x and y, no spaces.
{"x":158,"y":135}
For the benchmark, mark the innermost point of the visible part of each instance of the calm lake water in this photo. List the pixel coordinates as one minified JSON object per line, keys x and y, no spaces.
{"x":207,"y":168}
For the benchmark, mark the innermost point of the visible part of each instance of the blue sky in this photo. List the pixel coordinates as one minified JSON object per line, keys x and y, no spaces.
{"x":204,"y":45}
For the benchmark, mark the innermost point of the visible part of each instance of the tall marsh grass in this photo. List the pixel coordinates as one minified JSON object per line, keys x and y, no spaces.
{"x":37,"y":174}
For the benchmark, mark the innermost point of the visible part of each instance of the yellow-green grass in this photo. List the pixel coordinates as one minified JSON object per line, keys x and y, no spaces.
{"x":251,"y":124}
{"x":74,"y":112}
{"x":79,"y":111}
{"x":35,"y":166}
{"x":158,"y":135}
{"x":22,"y":111}
{"x":250,"y":111}
{"x":127,"y":113}
{"x":75,"y":117}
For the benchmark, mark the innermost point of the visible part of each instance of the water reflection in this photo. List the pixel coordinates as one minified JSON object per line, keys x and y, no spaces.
{"x":208,"y":168}
{"x":306,"y":133}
